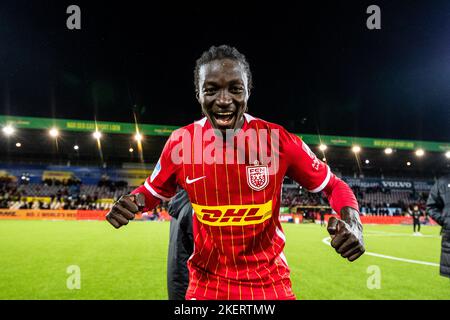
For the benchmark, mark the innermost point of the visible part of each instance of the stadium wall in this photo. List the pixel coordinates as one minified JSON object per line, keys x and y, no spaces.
{"x":25,"y":214}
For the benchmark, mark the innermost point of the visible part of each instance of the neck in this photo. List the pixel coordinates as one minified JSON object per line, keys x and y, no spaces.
{"x":239,"y":123}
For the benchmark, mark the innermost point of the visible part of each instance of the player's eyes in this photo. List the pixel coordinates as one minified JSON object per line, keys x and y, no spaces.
{"x":237,"y":90}
{"x":209,"y":90}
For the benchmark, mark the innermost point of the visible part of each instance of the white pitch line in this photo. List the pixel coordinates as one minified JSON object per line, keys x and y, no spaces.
{"x":394,"y":234}
{"x":398,"y":235}
{"x":327,"y":239}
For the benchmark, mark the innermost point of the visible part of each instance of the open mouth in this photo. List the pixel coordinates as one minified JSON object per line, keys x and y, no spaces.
{"x":224,"y":119}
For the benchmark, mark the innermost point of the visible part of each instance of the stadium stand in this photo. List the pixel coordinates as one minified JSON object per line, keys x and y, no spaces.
{"x":378,"y":197}
{"x":373,"y":201}
{"x":44,"y":196}
{"x":85,"y":188}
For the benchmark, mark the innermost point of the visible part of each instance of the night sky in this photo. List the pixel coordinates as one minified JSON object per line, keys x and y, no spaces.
{"x":316,"y":69}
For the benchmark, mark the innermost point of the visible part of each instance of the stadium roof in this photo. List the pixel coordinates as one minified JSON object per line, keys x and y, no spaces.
{"x":162,"y":130}
{"x":117,"y":147}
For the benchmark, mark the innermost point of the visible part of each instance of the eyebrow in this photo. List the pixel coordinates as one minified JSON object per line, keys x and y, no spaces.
{"x":237,"y":82}
{"x":209,"y":83}
{"x":214,"y":83}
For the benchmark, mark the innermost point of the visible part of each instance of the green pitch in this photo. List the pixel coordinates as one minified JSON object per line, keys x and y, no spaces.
{"x":130,"y":263}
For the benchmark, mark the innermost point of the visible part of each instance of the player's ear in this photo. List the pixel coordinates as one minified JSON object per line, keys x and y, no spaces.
{"x":197,"y":96}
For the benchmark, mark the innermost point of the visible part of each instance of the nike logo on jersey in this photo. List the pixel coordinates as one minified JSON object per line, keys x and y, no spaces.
{"x":189,"y":181}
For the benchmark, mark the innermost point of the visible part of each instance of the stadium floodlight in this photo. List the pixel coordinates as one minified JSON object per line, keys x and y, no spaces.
{"x":97,"y":135}
{"x":76,"y":147}
{"x":356,"y":149}
{"x":18,"y":144}
{"x":8,"y":130}
{"x":420,"y":152}
{"x":131,"y":149}
{"x":367,"y":161}
{"x":138,"y":137}
{"x":408,"y":164}
{"x":54,"y":132}
{"x":322,"y":147}
{"x":447,"y":154}
{"x":388,"y":150}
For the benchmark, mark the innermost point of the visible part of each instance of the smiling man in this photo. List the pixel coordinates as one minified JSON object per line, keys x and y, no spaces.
{"x":232,"y":166}
{"x":224,"y":109}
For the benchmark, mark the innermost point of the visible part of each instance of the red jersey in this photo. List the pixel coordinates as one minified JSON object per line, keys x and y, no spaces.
{"x":235,"y":189}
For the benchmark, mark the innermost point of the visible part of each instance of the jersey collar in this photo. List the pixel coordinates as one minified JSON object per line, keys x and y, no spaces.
{"x":247,"y":118}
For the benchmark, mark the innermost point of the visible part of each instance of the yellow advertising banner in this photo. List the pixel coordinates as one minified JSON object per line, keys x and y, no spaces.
{"x":57,"y":175}
{"x":105,"y":200}
{"x":134,"y":177}
{"x":6,"y":175}
{"x":42,"y":199}
{"x":24,"y":214}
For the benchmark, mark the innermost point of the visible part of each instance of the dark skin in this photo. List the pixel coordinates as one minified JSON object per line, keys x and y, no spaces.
{"x":223,"y":90}
{"x":346,"y":234}
{"x":223,"y":95}
{"x":125,"y":208}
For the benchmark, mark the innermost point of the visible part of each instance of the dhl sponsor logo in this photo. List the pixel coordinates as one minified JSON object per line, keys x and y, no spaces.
{"x":233,"y":215}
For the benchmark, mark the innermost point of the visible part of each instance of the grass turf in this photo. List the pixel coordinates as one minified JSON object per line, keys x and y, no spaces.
{"x":130,"y":263}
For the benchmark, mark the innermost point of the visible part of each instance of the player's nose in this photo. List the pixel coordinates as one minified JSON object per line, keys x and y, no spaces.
{"x":224,"y":99}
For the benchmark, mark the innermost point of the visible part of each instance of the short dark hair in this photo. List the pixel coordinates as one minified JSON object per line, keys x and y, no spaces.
{"x":219,"y":53}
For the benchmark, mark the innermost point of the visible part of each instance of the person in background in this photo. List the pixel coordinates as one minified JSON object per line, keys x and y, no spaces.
{"x":416,"y":214}
{"x":322,"y":217}
{"x":438,"y":208}
{"x":181,"y":245}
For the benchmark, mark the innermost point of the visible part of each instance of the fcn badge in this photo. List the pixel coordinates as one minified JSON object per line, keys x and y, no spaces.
{"x":257,"y":177}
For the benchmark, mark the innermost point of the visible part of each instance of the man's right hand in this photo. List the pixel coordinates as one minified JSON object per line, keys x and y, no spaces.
{"x":125,"y":208}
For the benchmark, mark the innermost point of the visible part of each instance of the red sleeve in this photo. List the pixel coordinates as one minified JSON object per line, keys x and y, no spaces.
{"x":313,"y":174}
{"x":162,"y":183}
{"x":303,"y":165}
{"x":150,"y":200}
{"x":340,"y":195}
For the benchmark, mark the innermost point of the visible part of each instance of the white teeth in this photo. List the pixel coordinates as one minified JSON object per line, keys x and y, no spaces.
{"x":225,"y":114}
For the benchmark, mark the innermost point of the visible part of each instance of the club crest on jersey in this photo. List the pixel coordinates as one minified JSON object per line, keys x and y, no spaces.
{"x":257,"y":176}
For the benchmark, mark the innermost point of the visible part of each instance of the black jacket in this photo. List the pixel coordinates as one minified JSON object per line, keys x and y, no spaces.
{"x":438,"y":208}
{"x":416,"y":214}
{"x":181,"y":245}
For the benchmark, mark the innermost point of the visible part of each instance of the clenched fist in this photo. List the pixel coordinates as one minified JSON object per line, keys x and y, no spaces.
{"x":346,"y":234}
{"x":125,"y":208}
